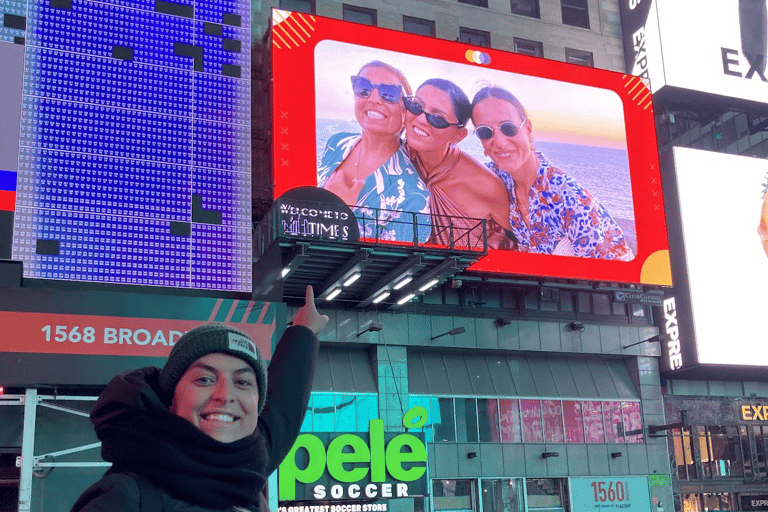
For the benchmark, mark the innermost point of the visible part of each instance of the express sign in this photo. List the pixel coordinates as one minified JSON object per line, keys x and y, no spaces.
{"x":373,"y":464}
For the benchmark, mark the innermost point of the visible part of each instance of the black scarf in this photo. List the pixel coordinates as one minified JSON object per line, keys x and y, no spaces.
{"x":188,"y":464}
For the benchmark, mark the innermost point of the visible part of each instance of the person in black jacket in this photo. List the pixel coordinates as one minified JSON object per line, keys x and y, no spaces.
{"x":204,"y":432}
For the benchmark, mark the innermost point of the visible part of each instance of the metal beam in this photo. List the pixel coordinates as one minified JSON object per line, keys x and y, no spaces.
{"x":27,"y":451}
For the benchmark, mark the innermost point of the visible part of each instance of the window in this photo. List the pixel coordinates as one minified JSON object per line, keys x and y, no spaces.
{"x":506,"y":420}
{"x":686,"y":469}
{"x":502,"y":495}
{"x":547,"y":493}
{"x":478,"y":3}
{"x":475,"y":37}
{"x":336,"y":412}
{"x":305,"y":6}
{"x":526,"y":47}
{"x":575,"y":13}
{"x":454,"y":495}
{"x":720,"y":452}
{"x":528,"y":8}
{"x":418,"y":26}
{"x":579,"y":57}
{"x":359,"y":15}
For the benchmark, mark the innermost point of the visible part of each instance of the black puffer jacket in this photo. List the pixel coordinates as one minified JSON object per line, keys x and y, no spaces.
{"x":159,"y":457}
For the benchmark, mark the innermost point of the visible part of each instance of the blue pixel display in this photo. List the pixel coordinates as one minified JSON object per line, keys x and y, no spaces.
{"x":134,"y":143}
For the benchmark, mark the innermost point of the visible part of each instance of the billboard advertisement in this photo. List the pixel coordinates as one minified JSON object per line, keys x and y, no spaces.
{"x":720,"y":259}
{"x":719,"y":50}
{"x":559,"y":160}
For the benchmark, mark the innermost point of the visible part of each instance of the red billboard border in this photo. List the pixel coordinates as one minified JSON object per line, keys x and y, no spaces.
{"x":294,"y":38}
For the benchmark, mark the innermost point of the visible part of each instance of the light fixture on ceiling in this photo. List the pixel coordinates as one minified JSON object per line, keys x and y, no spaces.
{"x":352,"y":278}
{"x":406,"y":299}
{"x":333,"y":294}
{"x":402,"y":282}
{"x":381,"y":297}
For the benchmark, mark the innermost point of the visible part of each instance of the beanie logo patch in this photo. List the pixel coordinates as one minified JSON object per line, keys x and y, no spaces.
{"x":240,"y":343}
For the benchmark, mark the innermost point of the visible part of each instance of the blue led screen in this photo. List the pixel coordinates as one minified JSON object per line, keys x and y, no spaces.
{"x":132,"y":156}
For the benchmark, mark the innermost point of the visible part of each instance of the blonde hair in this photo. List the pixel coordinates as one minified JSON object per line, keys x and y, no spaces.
{"x":383,"y":65}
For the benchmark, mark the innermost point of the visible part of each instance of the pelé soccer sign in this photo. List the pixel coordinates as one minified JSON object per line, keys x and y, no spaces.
{"x":367,"y":465}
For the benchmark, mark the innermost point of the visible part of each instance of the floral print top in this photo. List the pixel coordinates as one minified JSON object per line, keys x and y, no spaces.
{"x":393,"y":188}
{"x":561,"y":209}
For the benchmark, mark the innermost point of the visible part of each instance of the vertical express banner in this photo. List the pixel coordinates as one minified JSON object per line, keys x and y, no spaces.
{"x":630,"y":494}
{"x":634,"y":18}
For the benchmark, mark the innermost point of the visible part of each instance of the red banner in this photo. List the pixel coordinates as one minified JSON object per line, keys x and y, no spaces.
{"x":110,"y":335}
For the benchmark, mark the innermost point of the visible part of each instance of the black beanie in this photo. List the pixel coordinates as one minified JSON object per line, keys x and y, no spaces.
{"x":207,"y":339}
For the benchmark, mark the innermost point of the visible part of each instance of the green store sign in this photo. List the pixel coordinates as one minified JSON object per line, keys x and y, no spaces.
{"x":374,"y":464}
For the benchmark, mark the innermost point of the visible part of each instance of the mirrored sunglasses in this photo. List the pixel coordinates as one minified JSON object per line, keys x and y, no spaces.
{"x":507,"y":128}
{"x":362,"y":87}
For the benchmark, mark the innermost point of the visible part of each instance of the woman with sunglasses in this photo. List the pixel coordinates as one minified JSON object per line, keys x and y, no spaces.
{"x":461,"y":189}
{"x":550,"y":212}
{"x":371,"y":171}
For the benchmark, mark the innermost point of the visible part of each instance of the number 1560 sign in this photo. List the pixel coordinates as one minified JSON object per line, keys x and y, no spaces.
{"x":630,"y":494}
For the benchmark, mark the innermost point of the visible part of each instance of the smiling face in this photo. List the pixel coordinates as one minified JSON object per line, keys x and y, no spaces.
{"x":219,"y":395}
{"x":375,"y":115}
{"x":509,"y":153}
{"x":421,"y":135}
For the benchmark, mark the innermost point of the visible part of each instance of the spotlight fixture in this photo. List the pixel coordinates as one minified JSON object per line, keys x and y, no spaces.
{"x":402,"y":282}
{"x":406,"y":298}
{"x":333,"y":294}
{"x":352,"y":278}
{"x":501,"y":322}
{"x":658,"y":337}
{"x":452,"y":332}
{"x":373,"y":327}
{"x":471,"y":455}
{"x":547,"y":455}
{"x":615,"y":455}
{"x":576,"y":326}
{"x":381,"y":297}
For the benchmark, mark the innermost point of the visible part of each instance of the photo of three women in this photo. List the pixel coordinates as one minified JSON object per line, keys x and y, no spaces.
{"x":406,"y":159}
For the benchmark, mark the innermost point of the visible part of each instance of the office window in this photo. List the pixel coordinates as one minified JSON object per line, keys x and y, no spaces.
{"x":478,"y":3}
{"x":359,"y":15}
{"x":579,"y":57}
{"x":575,"y":13}
{"x":475,"y":37}
{"x":593,"y":422}
{"x":528,"y":8}
{"x":305,"y":6}
{"x":418,"y":26}
{"x":509,"y":410}
{"x":526,"y":47}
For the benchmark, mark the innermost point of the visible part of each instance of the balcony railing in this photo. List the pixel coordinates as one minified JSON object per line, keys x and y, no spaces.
{"x":312,"y":220}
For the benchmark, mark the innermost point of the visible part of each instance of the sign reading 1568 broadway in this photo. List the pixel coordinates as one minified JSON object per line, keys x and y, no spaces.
{"x":373,"y":464}
{"x":630,"y":494}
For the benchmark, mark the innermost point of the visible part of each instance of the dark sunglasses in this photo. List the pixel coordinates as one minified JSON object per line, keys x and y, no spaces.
{"x":415,"y":108}
{"x":362,"y":87}
{"x":508,"y":128}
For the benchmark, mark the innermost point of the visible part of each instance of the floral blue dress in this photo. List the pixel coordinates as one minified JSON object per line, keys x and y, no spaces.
{"x":391,"y":190}
{"x":562,"y":211}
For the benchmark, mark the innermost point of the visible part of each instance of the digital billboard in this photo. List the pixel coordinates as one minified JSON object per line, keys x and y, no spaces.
{"x":720,"y":262}
{"x":125,"y":152}
{"x":719,"y":49}
{"x":351,"y":116}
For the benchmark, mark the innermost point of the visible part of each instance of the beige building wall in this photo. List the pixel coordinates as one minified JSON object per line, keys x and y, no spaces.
{"x":602,"y":39}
